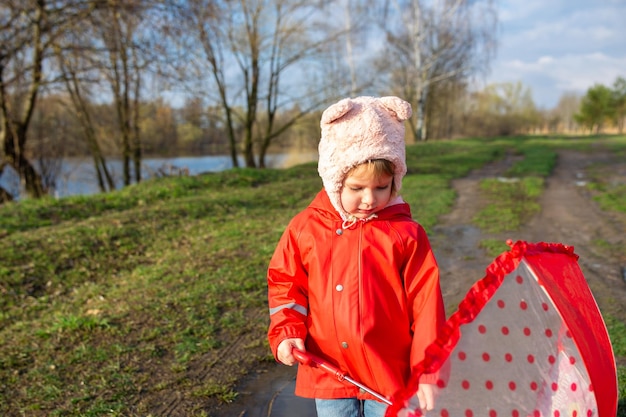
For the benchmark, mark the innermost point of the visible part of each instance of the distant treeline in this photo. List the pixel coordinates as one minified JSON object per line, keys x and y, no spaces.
{"x":132,"y":78}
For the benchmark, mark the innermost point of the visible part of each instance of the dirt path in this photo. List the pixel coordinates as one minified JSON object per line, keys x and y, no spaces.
{"x":568,"y":215}
{"x":456,"y":241}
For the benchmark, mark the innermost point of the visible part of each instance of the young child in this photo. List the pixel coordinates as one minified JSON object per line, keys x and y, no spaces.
{"x":353,"y":278}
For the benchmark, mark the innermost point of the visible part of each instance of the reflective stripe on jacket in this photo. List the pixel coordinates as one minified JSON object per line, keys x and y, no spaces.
{"x":367,"y":298}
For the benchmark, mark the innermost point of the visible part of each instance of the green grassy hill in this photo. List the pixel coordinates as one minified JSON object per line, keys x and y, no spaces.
{"x":111,"y":303}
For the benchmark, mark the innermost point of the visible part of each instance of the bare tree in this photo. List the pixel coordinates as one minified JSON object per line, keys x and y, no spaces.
{"x":562,"y":116}
{"x":52,"y":136}
{"x":74,"y":70}
{"x":118,"y":26}
{"x":357,"y":27}
{"x":159,"y":129}
{"x":257,"y":53}
{"x":23,"y":31}
{"x":108,"y":56}
{"x":431,"y":42}
{"x":204,"y":18}
{"x":502,"y":109}
{"x":295,"y":38}
{"x":28,"y":28}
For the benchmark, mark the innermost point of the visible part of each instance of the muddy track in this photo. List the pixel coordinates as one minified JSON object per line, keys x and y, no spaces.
{"x":568,"y":215}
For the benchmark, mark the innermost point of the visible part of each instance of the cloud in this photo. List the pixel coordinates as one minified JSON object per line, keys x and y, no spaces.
{"x":550,"y":77}
{"x":560,"y":46}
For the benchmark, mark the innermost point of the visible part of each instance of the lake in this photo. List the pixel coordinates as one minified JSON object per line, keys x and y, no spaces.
{"x":77,"y":175}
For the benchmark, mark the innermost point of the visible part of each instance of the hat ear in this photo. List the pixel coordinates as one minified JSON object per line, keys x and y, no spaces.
{"x":397,"y":107}
{"x":336,"y":111}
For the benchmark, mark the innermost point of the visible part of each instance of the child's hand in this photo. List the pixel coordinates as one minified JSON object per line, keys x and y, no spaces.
{"x":283,"y":353}
{"x":426,"y":394}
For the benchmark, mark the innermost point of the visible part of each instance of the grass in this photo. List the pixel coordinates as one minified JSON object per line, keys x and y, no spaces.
{"x":617,"y":333}
{"x":136,"y":283}
{"x":513,"y":198}
{"x":111,"y":303}
{"x":610,"y":196}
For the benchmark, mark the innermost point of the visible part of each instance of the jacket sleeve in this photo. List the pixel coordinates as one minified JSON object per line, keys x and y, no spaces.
{"x":287,"y":291}
{"x":425,"y":300}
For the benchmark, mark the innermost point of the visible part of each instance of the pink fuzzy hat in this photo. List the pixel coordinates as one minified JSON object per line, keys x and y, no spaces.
{"x":357,"y":130}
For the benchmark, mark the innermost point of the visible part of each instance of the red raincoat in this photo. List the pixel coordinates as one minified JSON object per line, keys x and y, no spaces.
{"x":367,"y":298}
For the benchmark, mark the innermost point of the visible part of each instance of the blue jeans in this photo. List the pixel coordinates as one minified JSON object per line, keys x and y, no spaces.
{"x":350,"y":407}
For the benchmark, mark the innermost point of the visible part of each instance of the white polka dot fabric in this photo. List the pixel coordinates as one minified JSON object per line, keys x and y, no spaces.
{"x":518,"y":357}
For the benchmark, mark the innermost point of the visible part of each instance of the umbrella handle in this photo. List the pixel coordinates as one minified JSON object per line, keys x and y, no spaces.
{"x":310,"y":359}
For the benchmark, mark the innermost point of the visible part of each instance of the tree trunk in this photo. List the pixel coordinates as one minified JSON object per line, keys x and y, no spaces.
{"x":137,"y":154}
{"x":248,"y":149}
{"x":16,"y":125}
{"x":232,"y":142}
{"x":419,"y":129}
{"x":30,"y":179}
{"x":13,"y":142}
{"x":105,"y":181}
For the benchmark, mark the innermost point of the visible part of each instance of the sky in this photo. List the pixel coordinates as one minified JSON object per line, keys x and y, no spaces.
{"x":560,"y":46}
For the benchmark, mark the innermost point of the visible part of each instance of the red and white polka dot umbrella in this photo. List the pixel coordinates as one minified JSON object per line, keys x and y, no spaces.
{"x":528,"y":340}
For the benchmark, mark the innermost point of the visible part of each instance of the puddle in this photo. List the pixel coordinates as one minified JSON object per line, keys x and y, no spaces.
{"x":269,"y":393}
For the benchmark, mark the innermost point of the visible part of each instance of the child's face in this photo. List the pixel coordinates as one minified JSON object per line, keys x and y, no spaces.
{"x":364,"y":193}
